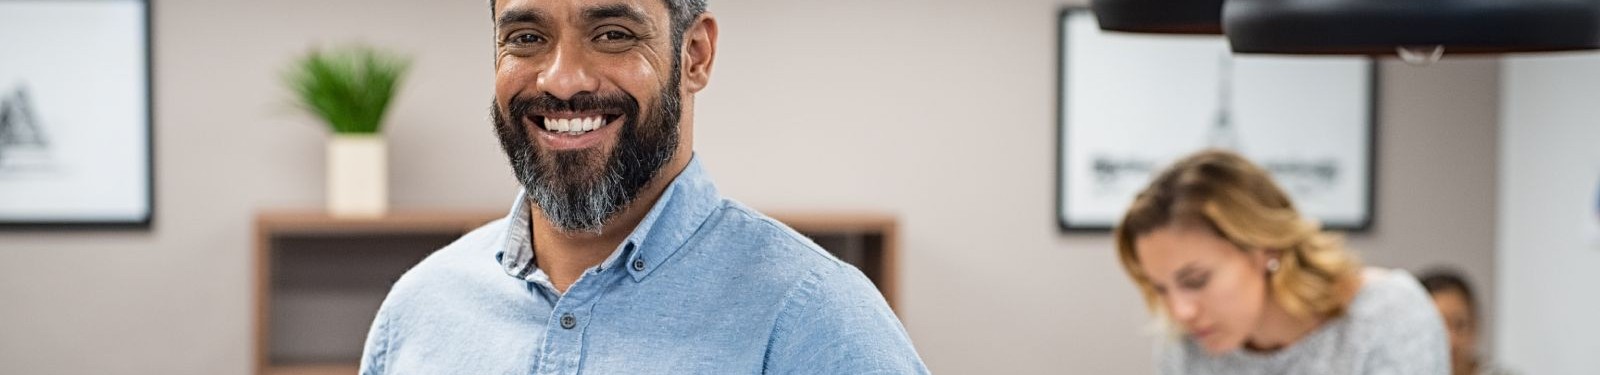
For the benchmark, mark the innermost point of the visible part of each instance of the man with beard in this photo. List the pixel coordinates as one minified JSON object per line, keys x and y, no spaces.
{"x":619,"y":256}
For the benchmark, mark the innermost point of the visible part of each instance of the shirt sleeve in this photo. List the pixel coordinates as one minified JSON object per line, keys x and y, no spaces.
{"x":374,"y":355}
{"x":836,"y":322}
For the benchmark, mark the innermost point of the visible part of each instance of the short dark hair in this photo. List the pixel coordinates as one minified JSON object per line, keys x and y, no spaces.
{"x":1441,"y":280}
{"x":683,"y":14}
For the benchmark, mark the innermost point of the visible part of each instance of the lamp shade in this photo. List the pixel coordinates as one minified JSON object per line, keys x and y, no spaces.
{"x":1378,"y":27}
{"x":1159,"y":16}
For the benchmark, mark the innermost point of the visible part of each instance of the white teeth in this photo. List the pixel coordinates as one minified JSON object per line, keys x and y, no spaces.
{"x":574,"y":125}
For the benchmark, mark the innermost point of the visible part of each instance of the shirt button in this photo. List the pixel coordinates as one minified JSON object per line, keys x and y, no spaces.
{"x":638,"y":264}
{"x":568,"y":321}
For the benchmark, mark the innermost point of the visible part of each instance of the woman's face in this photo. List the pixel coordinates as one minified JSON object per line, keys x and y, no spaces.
{"x":1208,"y":285}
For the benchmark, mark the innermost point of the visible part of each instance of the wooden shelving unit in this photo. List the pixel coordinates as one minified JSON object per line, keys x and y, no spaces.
{"x":314,"y":369}
{"x":319,"y":279}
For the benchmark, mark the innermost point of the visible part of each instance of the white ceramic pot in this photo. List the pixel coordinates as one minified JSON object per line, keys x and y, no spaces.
{"x":358,"y":175}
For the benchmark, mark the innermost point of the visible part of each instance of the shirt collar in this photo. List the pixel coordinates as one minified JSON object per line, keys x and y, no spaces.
{"x":686,"y":204}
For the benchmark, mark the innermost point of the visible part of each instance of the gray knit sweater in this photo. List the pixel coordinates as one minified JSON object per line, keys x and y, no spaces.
{"x":1391,"y":327}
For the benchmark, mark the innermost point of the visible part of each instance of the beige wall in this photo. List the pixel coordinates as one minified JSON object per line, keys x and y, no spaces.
{"x":1437,"y":174}
{"x":941,"y":111}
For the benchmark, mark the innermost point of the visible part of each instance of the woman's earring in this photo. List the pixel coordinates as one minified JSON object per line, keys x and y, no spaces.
{"x":1272,"y":265}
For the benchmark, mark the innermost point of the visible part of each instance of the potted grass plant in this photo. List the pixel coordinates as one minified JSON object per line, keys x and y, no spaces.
{"x":349,"y":89}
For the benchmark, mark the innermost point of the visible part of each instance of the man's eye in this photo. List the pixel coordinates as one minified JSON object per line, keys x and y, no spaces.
{"x":526,"y":38}
{"x":614,"y":35}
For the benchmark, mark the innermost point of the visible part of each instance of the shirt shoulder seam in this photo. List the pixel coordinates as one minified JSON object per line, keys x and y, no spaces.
{"x":790,"y":236}
{"x":797,"y":291}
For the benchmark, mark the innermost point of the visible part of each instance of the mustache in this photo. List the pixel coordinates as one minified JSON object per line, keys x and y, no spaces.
{"x":521,"y":107}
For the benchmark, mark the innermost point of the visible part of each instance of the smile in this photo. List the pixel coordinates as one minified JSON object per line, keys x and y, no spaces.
{"x":573,"y":131}
{"x":574,"y":125}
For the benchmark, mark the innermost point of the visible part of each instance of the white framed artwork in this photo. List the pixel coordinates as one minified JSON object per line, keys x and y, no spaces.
{"x":75,"y":113}
{"x":1130,"y":104}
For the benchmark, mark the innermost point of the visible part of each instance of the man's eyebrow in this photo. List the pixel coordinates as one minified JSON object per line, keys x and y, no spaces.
{"x":521,"y":16}
{"x":614,"y":11}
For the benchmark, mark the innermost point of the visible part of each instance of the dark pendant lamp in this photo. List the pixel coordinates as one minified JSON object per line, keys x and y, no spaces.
{"x":1411,"y":27}
{"x":1159,"y":16}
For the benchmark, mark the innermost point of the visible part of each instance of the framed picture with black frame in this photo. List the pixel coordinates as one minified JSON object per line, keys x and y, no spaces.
{"x":1130,"y":104}
{"x":75,"y":114}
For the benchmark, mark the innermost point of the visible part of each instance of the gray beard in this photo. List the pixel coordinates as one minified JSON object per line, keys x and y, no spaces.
{"x":580,"y":209}
{"x":559,"y":183}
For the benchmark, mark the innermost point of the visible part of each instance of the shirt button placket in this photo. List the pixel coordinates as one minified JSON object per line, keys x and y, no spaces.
{"x":563,"y":345}
{"x":568,"y":341}
{"x":566,"y":344}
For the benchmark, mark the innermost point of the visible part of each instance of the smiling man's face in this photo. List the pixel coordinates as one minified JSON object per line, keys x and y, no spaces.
{"x":586,"y":102}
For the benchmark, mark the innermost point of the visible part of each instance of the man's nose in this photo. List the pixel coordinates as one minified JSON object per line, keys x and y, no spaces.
{"x":568,"y":74}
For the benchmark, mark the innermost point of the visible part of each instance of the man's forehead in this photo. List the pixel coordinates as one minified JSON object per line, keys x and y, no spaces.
{"x":652,"y":9}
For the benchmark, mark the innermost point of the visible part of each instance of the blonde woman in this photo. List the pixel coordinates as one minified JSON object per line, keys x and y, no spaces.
{"x":1219,"y":251}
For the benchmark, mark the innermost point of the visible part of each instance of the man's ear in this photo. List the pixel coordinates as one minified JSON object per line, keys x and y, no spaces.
{"x":699,"y":52}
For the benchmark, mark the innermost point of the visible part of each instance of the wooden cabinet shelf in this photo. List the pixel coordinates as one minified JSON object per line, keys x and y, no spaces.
{"x":313,"y":369}
{"x":319,"y":279}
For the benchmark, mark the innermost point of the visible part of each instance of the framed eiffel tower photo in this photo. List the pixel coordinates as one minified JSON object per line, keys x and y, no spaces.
{"x":1130,"y":104}
{"x":75,"y":114}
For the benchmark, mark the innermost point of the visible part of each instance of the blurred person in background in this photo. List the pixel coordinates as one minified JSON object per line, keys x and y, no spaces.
{"x":1247,"y":285}
{"x":1453,"y":296}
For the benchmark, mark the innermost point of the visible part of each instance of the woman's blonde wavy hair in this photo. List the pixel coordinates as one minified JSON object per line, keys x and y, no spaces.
{"x":1238,"y":201}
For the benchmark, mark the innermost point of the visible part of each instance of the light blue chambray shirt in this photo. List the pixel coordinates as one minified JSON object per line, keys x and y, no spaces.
{"x":704,"y":285}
